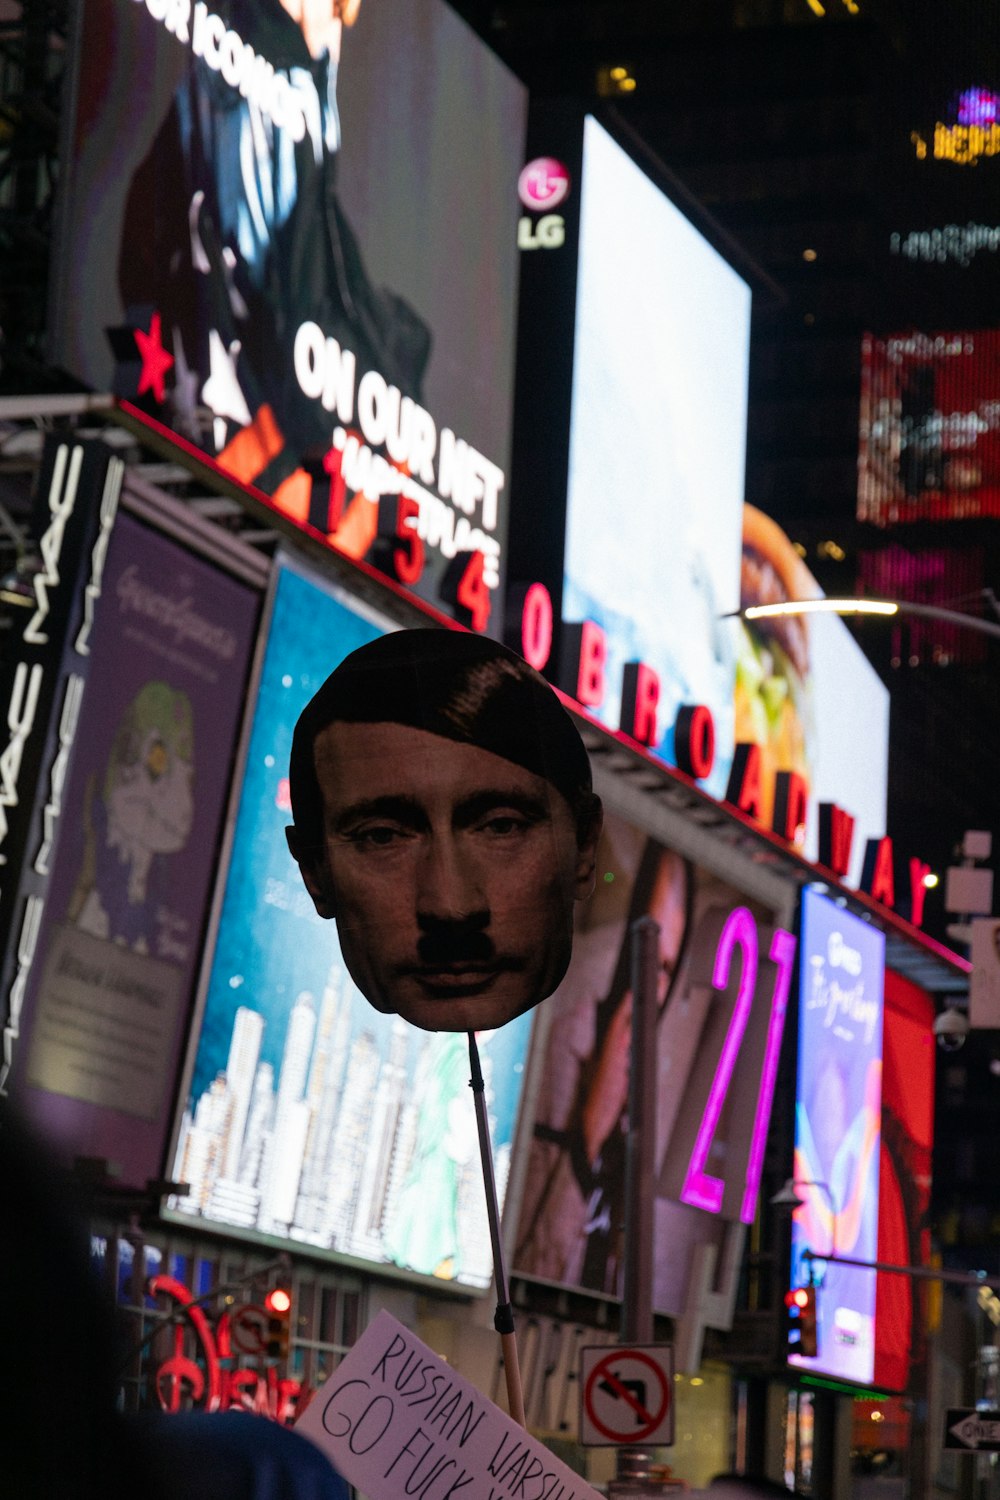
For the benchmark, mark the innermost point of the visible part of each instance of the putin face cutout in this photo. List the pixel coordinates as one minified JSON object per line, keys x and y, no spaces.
{"x":450,"y":850}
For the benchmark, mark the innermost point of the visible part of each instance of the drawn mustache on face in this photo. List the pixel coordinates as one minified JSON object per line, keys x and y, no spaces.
{"x":460,"y":945}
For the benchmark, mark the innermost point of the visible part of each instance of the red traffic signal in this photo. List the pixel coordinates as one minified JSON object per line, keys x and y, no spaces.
{"x":278,"y":1306}
{"x":800,"y":1322}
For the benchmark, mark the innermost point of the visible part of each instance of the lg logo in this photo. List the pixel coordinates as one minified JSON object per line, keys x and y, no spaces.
{"x":542,"y":186}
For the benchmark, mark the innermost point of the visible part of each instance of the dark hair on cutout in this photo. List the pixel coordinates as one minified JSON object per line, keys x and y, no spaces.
{"x":462,"y":686}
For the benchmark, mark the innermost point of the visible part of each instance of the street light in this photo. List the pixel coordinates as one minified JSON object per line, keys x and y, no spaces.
{"x":788,"y":1196}
{"x":887,"y":607}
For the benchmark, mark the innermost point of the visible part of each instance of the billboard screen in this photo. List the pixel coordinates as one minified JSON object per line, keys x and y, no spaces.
{"x":807,"y":695}
{"x":290,"y":232}
{"x":838,"y":1130}
{"x":657,"y":443}
{"x":904,"y":1185}
{"x":725,"y":975}
{"x":308,"y":1116}
{"x":930,"y":427}
{"x":117,"y":956}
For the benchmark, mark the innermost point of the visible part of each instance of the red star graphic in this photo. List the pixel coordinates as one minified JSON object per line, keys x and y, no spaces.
{"x":155,"y":359}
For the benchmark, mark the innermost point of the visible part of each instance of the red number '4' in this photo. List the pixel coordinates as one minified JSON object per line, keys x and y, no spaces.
{"x":472,"y":593}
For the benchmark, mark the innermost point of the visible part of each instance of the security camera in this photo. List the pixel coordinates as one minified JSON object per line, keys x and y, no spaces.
{"x":951,"y":1028}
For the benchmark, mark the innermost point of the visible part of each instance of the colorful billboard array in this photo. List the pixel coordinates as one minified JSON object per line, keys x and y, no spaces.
{"x":725,"y":973}
{"x":120,"y":942}
{"x":309,"y":1117}
{"x":838,"y":1121}
{"x":290,"y":232}
{"x":930,"y":427}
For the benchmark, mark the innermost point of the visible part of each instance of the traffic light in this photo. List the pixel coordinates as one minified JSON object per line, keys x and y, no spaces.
{"x":278,"y":1305}
{"x":800,"y":1321}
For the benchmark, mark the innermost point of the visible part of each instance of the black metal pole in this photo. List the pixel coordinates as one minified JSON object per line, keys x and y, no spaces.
{"x":503,"y":1318}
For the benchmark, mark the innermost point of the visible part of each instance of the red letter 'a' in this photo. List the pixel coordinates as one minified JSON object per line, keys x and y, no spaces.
{"x":836,"y":835}
{"x":581,"y":671}
{"x":640,"y":695}
{"x":918,"y":891}
{"x":789,"y":806}
{"x":743,"y":790}
{"x":876,"y":878}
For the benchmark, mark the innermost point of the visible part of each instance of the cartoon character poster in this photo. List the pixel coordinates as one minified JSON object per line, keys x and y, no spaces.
{"x":135,"y":864}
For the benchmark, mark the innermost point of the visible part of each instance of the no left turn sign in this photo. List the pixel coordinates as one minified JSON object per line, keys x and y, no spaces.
{"x":626,"y":1395}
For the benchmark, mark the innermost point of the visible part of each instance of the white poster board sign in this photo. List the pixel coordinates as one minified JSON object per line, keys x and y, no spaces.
{"x":400,"y":1424}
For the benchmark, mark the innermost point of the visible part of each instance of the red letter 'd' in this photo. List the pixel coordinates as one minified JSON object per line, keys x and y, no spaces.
{"x":584,"y":651}
{"x":789,"y":820}
{"x":743,"y":790}
{"x":836,"y":835}
{"x":876,"y":877}
{"x":694,"y":740}
{"x":640,"y":695}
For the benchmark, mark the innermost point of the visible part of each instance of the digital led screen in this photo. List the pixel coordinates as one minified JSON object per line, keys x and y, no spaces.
{"x":290,"y":232}
{"x":807,"y":695}
{"x":117,"y":957}
{"x":838,"y":1131}
{"x":657,"y":444}
{"x":904,"y":1193}
{"x":930,"y":427}
{"x":725,"y":973}
{"x":308,"y":1116}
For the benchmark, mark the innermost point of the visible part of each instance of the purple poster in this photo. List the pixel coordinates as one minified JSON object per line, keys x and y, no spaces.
{"x":838,"y":1115}
{"x":135,"y":863}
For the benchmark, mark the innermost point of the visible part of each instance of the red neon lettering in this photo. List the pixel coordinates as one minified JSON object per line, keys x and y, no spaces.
{"x":836,"y":835}
{"x":536,"y":626}
{"x":333,"y":464}
{"x":584,"y":653}
{"x":918,"y":891}
{"x":789,"y":820}
{"x":744,"y":790}
{"x":694,"y":740}
{"x":877,"y":878}
{"x":408,"y":553}
{"x":472,"y":593}
{"x":221,"y":1387}
{"x":640,"y":696}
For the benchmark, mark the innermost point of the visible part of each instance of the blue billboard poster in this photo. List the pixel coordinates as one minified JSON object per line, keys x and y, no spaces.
{"x":838,"y":1121}
{"x":134,"y":867}
{"x":657,"y":446}
{"x":308,"y":1116}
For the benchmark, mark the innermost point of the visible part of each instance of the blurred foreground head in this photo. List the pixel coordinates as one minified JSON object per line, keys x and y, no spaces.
{"x":445,"y":817}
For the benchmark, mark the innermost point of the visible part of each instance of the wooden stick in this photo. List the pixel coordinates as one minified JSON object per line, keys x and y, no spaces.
{"x":503,"y":1318}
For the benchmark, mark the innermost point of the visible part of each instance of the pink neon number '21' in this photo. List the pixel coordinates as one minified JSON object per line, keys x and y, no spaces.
{"x":701,"y":1190}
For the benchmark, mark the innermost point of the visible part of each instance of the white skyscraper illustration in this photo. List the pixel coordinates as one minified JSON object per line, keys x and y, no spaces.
{"x":241,"y":1068}
{"x":283,"y":1162}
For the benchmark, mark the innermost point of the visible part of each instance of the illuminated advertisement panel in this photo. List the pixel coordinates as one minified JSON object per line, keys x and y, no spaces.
{"x":657,"y":444}
{"x":904,"y":1191}
{"x":725,"y":980}
{"x":930,"y":427}
{"x":120,"y":941}
{"x":807,"y":695}
{"x":309,"y":1117}
{"x":290,"y":233}
{"x":838,"y":1130}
